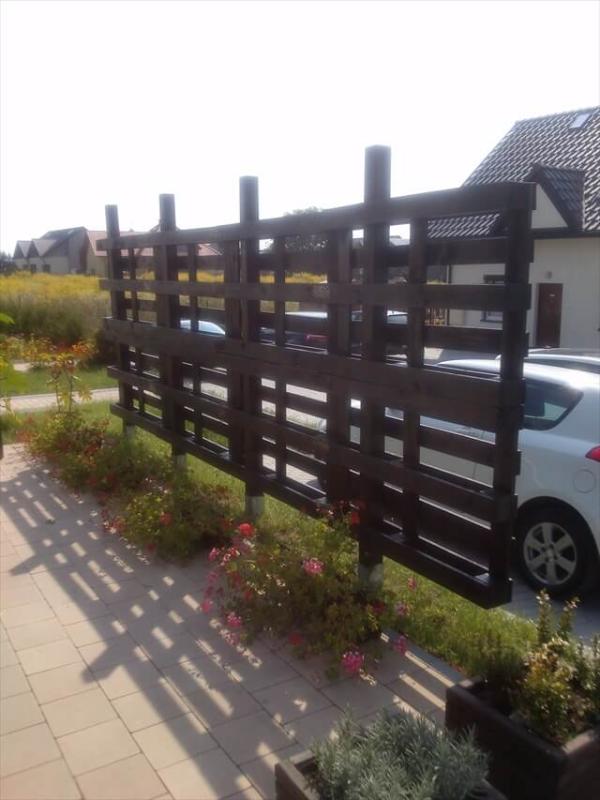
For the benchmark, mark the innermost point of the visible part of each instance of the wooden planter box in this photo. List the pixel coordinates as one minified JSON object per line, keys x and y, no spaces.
{"x":523,"y":765}
{"x":291,"y":781}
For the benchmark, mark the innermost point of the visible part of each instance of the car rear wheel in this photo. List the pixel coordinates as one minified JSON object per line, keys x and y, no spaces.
{"x":555,"y":550}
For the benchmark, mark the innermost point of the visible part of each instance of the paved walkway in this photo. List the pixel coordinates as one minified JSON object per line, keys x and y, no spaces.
{"x":116,"y":687}
{"x":35,"y":402}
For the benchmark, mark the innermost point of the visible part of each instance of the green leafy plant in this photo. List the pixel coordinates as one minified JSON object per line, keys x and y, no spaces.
{"x":399,"y":757}
{"x":173,"y":519}
{"x":303,"y":587}
{"x":550,"y":686}
{"x":67,"y":442}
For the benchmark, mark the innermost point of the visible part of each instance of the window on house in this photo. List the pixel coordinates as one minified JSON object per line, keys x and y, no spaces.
{"x":46,"y":267}
{"x":492,"y":316}
{"x":580,"y":120}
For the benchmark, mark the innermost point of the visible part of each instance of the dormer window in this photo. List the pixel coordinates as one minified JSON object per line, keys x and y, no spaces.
{"x":580,"y":120}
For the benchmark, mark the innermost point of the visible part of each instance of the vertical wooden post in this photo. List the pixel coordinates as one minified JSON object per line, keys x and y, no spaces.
{"x":509,"y":421}
{"x":417,"y":275}
{"x":233,"y":329}
{"x":117,"y":307}
{"x":280,"y":383}
{"x":167,"y":315}
{"x":339,"y":342}
{"x":250,"y":273}
{"x":374,"y":318}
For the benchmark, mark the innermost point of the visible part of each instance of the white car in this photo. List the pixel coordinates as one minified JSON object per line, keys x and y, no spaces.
{"x":588,"y":360}
{"x":557,"y":535}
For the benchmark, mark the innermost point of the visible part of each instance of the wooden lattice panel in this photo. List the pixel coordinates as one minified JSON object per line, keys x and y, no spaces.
{"x":249,"y":402}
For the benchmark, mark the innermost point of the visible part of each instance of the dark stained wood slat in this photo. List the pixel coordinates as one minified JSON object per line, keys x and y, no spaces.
{"x":467,"y":200}
{"x":417,"y":274}
{"x":373,"y":349}
{"x":478,"y":297}
{"x":437,"y":392}
{"x":250,"y":331}
{"x":510,"y":419}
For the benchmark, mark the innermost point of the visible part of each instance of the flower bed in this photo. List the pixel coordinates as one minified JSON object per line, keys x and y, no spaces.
{"x":304,"y":588}
{"x":145,"y":499}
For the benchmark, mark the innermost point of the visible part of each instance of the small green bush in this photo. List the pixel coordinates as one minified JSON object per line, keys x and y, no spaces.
{"x":400,"y":757}
{"x":556,"y":694}
{"x":173,"y":519}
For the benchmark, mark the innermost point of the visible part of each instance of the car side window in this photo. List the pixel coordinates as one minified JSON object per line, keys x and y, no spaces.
{"x":547,"y":404}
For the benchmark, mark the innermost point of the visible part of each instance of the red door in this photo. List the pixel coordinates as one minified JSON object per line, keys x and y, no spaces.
{"x":549,"y":308}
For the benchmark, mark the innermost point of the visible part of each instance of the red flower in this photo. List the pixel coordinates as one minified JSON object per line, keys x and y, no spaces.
{"x":354,"y":518}
{"x":295,"y":639}
{"x":166,"y":518}
{"x":151,"y":547}
{"x":378,"y":607}
{"x":246,"y":530}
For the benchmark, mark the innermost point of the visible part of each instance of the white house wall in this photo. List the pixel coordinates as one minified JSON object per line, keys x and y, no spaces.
{"x":575,"y":263}
{"x":545,"y":215}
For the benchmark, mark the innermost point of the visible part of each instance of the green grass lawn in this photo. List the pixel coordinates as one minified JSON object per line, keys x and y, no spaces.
{"x":35,"y":380}
{"x":443,"y":623}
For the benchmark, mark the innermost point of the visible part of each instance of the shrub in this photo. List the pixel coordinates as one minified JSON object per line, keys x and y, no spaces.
{"x":152,"y":504}
{"x":400,"y":757}
{"x":557,"y":692}
{"x":68,"y":443}
{"x":173,"y":519}
{"x":304,"y":587}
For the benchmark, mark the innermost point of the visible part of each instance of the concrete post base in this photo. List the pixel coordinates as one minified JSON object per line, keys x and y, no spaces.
{"x":371,"y":574}
{"x":254,"y":506}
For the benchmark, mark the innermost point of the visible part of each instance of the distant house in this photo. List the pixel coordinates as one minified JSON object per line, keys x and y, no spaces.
{"x":75,"y":251}
{"x":561,"y":154}
{"x":61,"y":252}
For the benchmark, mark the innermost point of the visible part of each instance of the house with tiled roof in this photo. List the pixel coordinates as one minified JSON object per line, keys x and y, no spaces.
{"x":75,"y":251}
{"x":561,"y":154}
{"x":60,"y":252}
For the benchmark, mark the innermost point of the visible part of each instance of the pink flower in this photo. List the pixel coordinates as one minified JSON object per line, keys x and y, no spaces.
{"x":233,"y":620}
{"x":312,"y":566}
{"x":352,"y":662}
{"x":212,"y":577}
{"x":214,"y":554}
{"x":412,"y":583}
{"x":246,"y":530}
{"x":401,"y":609}
{"x":400,"y":645}
{"x":207,"y":606}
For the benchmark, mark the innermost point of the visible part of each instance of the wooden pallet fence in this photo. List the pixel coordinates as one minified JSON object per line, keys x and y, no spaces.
{"x":338,"y":403}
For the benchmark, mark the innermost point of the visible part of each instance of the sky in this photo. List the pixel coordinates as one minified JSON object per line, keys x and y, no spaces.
{"x":116,"y":102}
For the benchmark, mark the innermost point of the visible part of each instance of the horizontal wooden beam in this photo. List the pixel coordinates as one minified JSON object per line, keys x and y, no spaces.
{"x":482,"y":297}
{"x":434,"y":391}
{"x":464,"y":201}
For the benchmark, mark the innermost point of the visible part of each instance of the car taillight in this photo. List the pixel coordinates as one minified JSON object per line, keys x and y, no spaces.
{"x":594,"y":453}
